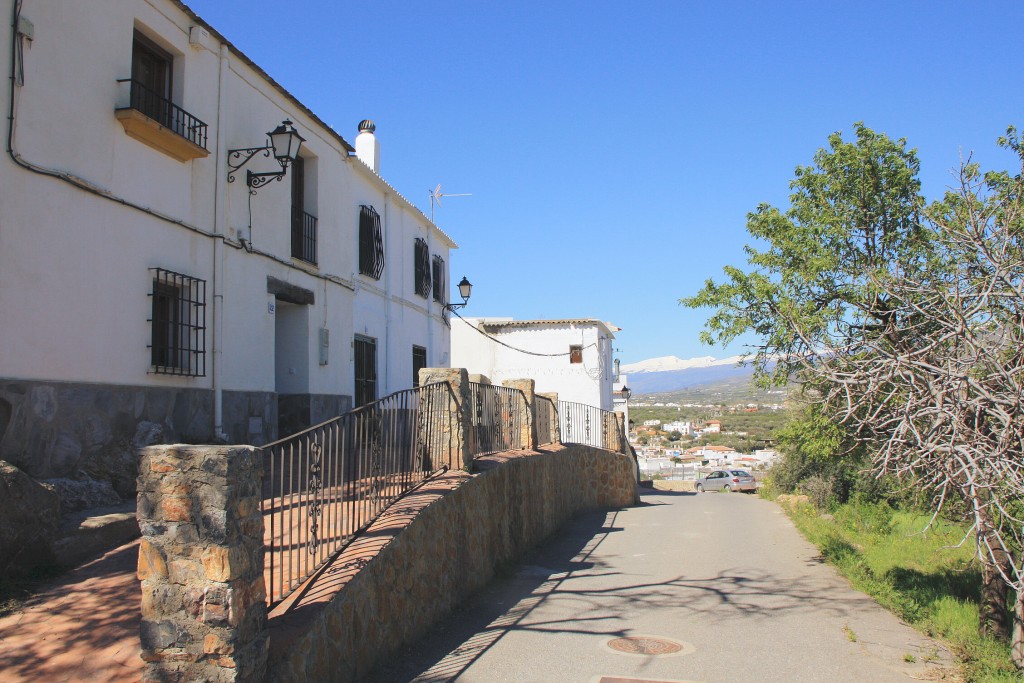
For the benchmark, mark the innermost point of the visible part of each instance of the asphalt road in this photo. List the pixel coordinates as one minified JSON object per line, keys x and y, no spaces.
{"x":725,"y":578}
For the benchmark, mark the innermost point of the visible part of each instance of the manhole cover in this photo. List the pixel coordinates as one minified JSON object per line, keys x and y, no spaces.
{"x":643,"y":645}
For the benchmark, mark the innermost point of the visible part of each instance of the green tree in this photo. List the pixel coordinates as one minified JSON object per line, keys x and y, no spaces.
{"x":855,"y":212}
{"x":903,"y":324}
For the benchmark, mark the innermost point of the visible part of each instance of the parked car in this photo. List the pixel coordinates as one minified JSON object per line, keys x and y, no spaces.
{"x":727,"y":480}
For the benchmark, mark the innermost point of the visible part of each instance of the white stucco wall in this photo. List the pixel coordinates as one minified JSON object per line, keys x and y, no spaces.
{"x":74,"y":266}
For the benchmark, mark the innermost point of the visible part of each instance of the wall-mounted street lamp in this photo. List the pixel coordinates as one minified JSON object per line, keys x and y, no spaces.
{"x":285,"y":142}
{"x":465,"y":289}
{"x":625,"y":393}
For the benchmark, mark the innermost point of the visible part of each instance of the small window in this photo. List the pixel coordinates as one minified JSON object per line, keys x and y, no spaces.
{"x":178,"y":324}
{"x":371,"y":243}
{"x":439,"y":278}
{"x":419,"y":361}
{"x":576,"y":353}
{"x":421,"y":267}
{"x":365,"y":370}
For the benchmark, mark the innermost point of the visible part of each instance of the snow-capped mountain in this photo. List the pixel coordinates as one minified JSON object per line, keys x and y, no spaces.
{"x":668,"y":363}
{"x":670,"y":373}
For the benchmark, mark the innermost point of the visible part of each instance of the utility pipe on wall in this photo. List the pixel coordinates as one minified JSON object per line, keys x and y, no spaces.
{"x":219,"y":228}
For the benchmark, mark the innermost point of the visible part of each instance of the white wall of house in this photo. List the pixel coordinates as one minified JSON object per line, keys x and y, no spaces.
{"x":589,"y":381}
{"x":76,"y":253}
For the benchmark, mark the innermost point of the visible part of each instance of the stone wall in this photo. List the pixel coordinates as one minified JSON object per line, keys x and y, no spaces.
{"x":86,"y":437}
{"x":92,"y":432}
{"x":435,"y":549}
{"x":201,"y":558}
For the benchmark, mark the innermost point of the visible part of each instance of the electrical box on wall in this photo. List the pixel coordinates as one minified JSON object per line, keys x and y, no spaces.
{"x":26,"y":28}
{"x":325,"y":342}
{"x":198,"y":36}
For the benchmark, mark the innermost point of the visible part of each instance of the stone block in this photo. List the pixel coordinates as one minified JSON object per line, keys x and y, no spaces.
{"x":29,"y":520}
{"x":152,"y":564}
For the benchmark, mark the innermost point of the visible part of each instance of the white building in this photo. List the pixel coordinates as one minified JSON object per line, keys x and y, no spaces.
{"x":570,"y":357}
{"x":684,"y":427}
{"x":141,"y":282}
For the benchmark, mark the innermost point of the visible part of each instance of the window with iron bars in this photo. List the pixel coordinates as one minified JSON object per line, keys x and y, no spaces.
{"x":371,"y":243}
{"x":439,"y":280}
{"x":178,"y":324}
{"x":421,"y":270}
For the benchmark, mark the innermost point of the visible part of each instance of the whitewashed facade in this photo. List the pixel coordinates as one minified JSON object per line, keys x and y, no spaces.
{"x":138,"y":285}
{"x":570,"y":357}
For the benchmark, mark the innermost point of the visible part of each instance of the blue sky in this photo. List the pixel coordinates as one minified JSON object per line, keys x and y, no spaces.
{"x":613,"y":150}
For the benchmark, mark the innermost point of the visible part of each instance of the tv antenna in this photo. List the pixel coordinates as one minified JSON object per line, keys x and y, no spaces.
{"x":435,"y":198}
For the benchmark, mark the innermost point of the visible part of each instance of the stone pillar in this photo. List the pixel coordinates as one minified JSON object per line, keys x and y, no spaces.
{"x":456,"y":422}
{"x":623,"y":445}
{"x":527,"y":413}
{"x":204,"y":611}
{"x":556,"y":431}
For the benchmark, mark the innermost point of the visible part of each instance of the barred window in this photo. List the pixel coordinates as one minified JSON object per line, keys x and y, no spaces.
{"x":178,"y":324}
{"x":421,"y":270}
{"x":371,"y":243}
{"x":439,"y":280}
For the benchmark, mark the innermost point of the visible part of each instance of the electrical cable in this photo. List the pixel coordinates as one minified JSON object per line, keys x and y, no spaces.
{"x":18,"y":68}
{"x":515,"y":348}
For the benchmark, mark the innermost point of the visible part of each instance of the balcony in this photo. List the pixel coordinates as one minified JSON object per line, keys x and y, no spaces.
{"x":303,"y":235}
{"x":161,"y":124}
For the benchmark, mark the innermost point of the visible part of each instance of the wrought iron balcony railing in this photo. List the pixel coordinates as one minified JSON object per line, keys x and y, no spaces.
{"x":303,"y":235}
{"x":166,"y":113}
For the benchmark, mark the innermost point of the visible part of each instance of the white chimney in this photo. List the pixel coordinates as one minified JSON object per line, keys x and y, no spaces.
{"x":367,"y":148}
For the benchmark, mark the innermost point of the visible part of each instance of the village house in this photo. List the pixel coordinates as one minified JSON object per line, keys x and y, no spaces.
{"x":572,"y":357}
{"x":188,"y":252}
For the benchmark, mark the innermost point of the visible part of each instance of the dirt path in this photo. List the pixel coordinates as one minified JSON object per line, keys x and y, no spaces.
{"x":84,"y":626}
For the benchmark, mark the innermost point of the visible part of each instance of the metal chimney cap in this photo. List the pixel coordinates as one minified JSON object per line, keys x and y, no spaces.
{"x":367,"y":126}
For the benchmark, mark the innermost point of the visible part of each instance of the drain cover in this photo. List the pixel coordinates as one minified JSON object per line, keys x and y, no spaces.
{"x":645,"y":645}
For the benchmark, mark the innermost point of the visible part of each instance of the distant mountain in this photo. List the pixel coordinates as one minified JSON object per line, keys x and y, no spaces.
{"x":669,"y":373}
{"x":669,"y":363}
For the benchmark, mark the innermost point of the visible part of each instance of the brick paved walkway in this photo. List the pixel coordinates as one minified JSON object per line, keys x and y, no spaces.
{"x":84,"y":626}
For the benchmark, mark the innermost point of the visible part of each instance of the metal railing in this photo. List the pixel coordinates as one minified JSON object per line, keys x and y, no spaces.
{"x":303,"y":235}
{"x":325,"y":485}
{"x":166,"y":113}
{"x":586,"y":425}
{"x":497,"y":418}
{"x":546,"y":417}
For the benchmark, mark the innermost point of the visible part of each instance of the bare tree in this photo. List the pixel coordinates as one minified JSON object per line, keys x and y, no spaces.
{"x":935,"y":386}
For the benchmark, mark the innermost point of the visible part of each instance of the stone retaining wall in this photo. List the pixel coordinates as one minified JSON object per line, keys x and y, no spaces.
{"x":204,"y":614}
{"x":436,"y":548}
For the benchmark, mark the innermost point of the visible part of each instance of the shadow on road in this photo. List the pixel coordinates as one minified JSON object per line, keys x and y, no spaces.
{"x":568,"y":568}
{"x":454,"y":644}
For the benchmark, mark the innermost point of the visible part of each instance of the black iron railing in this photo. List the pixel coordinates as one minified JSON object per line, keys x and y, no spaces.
{"x":166,"y":113}
{"x":546,"y":419}
{"x":323,"y":486}
{"x":587,"y":425}
{"x":497,"y":414}
{"x":303,"y":235}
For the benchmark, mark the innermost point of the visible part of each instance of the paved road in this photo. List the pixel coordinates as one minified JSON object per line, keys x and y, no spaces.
{"x":725,"y":577}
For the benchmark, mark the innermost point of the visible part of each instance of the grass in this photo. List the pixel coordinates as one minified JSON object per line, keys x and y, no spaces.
{"x":929,"y":579}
